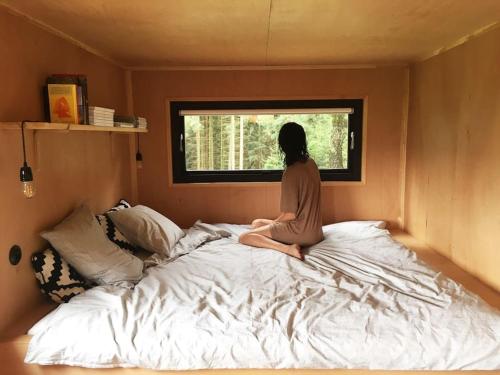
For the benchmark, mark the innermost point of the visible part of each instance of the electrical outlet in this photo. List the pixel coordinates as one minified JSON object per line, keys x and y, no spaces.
{"x":15,"y":255}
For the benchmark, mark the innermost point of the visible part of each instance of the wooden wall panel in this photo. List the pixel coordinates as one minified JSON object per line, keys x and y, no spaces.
{"x":378,"y":198}
{"x":453,"y":177}
{"x":69,"y":168}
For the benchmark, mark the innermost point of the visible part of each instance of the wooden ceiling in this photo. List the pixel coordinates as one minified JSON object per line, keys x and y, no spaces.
{"x":162,"y":33}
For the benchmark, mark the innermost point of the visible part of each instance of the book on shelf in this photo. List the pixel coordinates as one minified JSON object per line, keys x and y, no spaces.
{"x":122,"y":124}
{"x":126,"y":119}
{"x":130,"y":121}
{"x":101,"y":120}
{"x":94,"y":109}
{"x":62,"y":103}
{"x":142,"y":123}
{"x":80,"y":81}
{"x":101,"y":116}
{"x":102,"y":123}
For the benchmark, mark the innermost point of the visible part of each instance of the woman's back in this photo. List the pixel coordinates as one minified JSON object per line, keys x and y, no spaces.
{"x":299,"y":223}
{"x":301,"y":195}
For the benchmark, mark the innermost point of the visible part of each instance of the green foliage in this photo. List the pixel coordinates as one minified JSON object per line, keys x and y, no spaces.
{"x":225,"y":142}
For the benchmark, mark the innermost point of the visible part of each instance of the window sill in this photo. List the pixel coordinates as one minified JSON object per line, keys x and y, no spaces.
{"x":183,"y":185}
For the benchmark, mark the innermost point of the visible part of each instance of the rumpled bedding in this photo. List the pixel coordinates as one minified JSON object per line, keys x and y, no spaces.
{"x":359,"y":300}
{"x":194,"y":237}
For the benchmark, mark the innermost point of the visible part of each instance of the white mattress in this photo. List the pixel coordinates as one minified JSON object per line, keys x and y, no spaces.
{"x":360,"y":300}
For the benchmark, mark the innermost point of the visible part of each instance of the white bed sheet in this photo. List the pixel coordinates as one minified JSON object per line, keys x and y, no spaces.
{"x":360,"y":300}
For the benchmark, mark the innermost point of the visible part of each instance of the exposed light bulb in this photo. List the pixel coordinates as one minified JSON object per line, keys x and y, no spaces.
{"x":26,"y":178}
{"x":25,"y":173}
{"x":28,"y":189}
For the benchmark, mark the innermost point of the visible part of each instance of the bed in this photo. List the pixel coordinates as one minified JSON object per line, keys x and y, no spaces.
{"x":359,"y":300}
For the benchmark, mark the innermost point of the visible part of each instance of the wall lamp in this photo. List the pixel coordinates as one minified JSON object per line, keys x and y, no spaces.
{"x":138,"y":156}
{"x":26,"y":174}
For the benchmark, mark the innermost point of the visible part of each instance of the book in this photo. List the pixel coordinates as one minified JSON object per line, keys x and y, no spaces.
{"x":102,"y":114}
{"x":124,"y":124}
{"x":101,"y":120}
{"x":102,"y":123}
{"x":63,"y":99}
{"x":81,"y":114}
{"x":97,"y":119}
{"x":105,"y":117}
{"x":92,"y":116}
{"x":101,"y":109}
{"x":126,"y":119}
{"x":80,"y":81}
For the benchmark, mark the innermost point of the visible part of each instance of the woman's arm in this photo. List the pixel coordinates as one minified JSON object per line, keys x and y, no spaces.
{"x":286,"y":216}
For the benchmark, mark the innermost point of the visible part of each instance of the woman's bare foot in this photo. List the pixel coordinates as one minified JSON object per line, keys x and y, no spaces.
{"x":294,"y":251}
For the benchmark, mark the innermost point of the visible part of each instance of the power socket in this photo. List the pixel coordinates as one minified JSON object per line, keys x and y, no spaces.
{"x":15,"y":255}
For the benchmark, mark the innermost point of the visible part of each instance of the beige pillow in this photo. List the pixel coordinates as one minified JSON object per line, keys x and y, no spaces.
{"x":82,"y":243}
{"x":148,"y":229}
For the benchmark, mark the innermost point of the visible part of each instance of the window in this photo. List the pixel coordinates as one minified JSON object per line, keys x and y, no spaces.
{"x":231,"y":141}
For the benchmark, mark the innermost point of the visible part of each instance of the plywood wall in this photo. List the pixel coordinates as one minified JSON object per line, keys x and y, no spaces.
{"x":69,"y":168}
{"x":453,"y":155}
{"x":378,"y":198}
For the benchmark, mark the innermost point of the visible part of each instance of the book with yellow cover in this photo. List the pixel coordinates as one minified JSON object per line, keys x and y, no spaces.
{"x":63,"y":103}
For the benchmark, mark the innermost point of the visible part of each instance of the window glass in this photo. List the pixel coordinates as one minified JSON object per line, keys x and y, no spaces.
{"x":250,"y":142}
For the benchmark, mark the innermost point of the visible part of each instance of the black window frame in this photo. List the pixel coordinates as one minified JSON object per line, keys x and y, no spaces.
{"x":181,"y":175}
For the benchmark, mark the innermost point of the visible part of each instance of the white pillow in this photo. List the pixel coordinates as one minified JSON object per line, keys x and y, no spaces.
{"x":83,"y":244}
{"x":148,"y":229}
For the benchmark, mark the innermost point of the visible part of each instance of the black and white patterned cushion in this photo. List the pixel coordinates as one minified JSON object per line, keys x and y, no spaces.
{"x":56,"y":278}
{"x":122,"y":204}
{"x":112,"y":231}
{"x":114,"y":234}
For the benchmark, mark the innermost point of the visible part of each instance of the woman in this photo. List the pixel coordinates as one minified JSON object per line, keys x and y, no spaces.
{"x":299,"y":223}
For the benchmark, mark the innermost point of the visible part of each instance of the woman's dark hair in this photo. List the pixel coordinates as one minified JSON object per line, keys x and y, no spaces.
{"x":292,"y":141}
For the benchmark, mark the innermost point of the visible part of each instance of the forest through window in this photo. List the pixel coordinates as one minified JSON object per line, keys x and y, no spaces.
{"x":250,"y":142}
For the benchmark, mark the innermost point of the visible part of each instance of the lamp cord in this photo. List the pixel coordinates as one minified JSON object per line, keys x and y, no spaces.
{"x":138,"y":144}
{"x":24,"y":145}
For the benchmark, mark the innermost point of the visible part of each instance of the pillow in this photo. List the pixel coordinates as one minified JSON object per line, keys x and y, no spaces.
{"x":148,"y":229}
{"x":81,"y":241}
{"x":122,"y":204}
{"x":56,"y":277}
{"x":113,"y":234}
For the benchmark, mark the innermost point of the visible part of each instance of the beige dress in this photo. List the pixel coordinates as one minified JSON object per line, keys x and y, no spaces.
{"x":301,"y":195}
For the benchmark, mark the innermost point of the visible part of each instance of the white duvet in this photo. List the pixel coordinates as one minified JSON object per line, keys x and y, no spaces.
{"x":359,"y":300}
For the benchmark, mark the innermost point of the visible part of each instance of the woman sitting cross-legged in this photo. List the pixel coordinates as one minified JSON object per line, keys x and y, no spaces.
{"x":299,"y":223}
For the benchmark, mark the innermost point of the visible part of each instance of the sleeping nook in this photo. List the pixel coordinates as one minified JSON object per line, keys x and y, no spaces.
{"x":249,"y":187}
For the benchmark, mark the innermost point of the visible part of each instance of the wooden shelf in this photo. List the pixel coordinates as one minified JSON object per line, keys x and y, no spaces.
{"x":67,"y":127}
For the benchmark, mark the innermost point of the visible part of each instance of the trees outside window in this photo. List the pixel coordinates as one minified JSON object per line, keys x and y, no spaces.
{"x":250,"y":142}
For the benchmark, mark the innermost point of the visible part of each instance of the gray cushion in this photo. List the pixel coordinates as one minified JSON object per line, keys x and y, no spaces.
{"x":148,"y":229}
{"x":82,"y":243}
